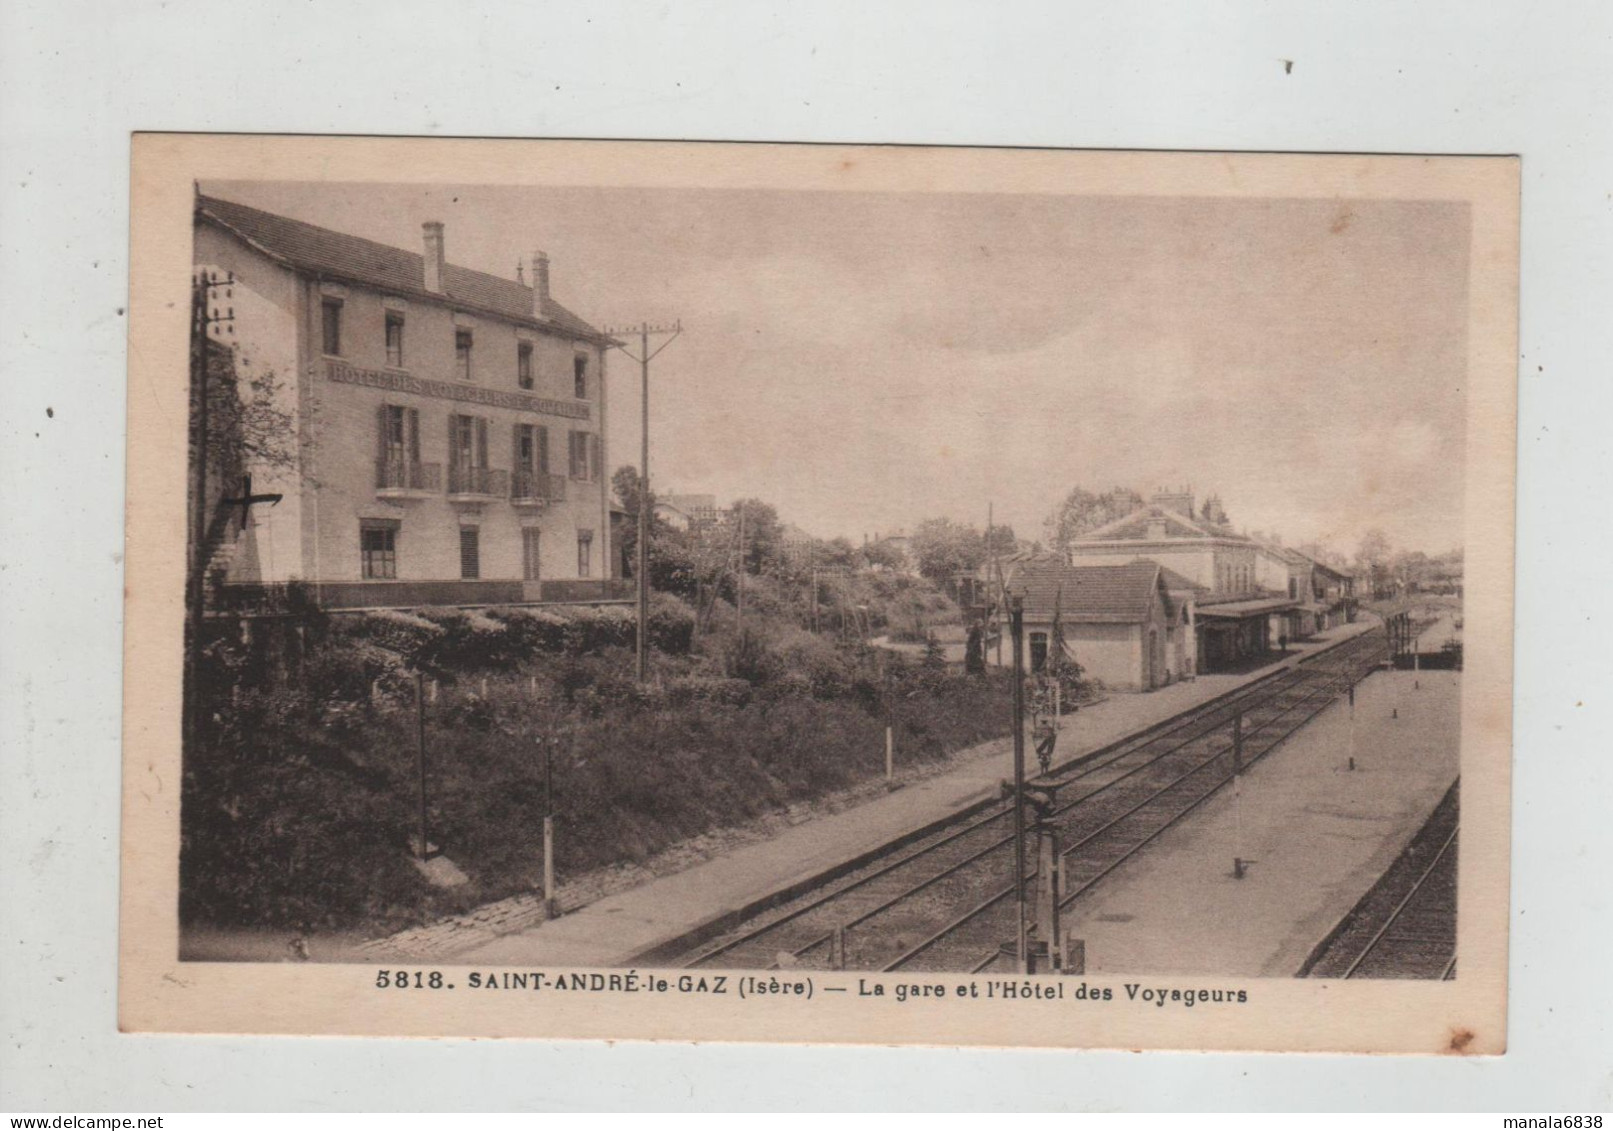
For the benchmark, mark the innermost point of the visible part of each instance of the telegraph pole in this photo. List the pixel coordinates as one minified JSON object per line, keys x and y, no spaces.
{"x":1017,"y":625}
{"x":205,"y":318}
{"x":644,"y":356}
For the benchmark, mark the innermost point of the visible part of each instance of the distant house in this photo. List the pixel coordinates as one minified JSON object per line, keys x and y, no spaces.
{"x":1119,"y":622}
{"x":693,"y":511}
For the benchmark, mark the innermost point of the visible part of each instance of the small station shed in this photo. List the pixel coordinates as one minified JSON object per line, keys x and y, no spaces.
{"x":1119,"y":622}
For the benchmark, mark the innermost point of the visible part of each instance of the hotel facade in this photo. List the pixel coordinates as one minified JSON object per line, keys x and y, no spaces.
{"x":450,"y":441}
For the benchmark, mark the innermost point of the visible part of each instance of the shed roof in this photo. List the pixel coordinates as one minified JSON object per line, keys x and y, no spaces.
{"x":1096,"y":594}
{"x":1238,"y":610}
{"x":337,"y":255}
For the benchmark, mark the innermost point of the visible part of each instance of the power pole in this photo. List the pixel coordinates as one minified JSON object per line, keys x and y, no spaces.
{"x":739,"y":578}
{"x":1017,"y":625}
{"x":644,"y":356}
{"x":205,"y":318}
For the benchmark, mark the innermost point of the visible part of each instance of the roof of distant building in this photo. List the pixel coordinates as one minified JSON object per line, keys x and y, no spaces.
{"x":337,"y":255}
{"x":1136,"y":526}
{"x":1095,"y":594}
{"x":1341,"y":574}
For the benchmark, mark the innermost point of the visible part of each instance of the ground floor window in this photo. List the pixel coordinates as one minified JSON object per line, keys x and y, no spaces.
{"x":378,"y":550}
{"x":1038,"y":651}
{"x":470,"y":556}
{"x":585,"y":552}
{"x":530,"y":568}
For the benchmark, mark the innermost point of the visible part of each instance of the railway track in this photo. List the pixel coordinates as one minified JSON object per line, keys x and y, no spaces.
{"x":1405,"y":926}
{"x":946,"y":901}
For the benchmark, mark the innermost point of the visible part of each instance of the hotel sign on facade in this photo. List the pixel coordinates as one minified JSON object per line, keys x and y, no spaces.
{"x":346,"y":374}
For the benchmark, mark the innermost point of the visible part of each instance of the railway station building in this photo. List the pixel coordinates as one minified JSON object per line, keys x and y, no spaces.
{"x":1119,"y":622}
{"x":449,"y":438}
{"x":1231,"y":613}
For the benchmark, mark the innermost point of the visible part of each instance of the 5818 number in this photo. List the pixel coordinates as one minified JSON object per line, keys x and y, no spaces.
{"x":410,"y":980}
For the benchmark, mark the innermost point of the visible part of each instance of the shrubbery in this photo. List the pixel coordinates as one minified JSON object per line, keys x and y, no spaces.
{"x":299,"y":806}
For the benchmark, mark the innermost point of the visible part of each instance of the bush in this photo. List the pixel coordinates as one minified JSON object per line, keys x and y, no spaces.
{"x":404,"y":633}
{"x":471,"y":641}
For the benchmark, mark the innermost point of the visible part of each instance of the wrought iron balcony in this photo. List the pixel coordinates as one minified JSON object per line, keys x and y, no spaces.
{"x":399,"y":477}
{"x":533,"y":488}
{"x":481,"y":482}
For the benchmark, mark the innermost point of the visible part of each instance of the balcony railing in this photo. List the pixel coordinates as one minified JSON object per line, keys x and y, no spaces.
{"x":536,"y":487}
{"x":404,"y":475}
{"x":487,"y":481}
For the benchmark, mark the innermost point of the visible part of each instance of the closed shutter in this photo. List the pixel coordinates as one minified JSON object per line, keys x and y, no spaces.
{"x":470,"y":564}
{"x":380,"y":431}
{"x":571,"y":454}
{"x":595,"y":458}
{"x":481,"y":441}
{"x":543,"y":449}
{"x":414,"y":435}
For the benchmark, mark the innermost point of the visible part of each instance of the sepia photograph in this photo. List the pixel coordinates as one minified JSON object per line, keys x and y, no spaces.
{"x":627,"y":579}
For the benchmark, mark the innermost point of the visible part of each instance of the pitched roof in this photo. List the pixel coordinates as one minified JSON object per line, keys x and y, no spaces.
{"x":337,"y":255}
{"x":1176,"y":583}
{"x":1097,"y":594}
{"x":1341,"y":574}
{"x":1134,"y":527}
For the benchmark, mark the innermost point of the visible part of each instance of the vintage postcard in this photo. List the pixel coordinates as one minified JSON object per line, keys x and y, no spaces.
{"x":819,"y":594}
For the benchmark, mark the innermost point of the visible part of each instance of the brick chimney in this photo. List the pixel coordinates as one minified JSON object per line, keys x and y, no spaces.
{"x":1179,"y":501}
{"x":540,"y":282}
{"x":432,"y":230}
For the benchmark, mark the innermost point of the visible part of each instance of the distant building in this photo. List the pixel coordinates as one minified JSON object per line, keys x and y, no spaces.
{"x":450,"y":424}
{"x":692,"y":511}
{"x":1119,"y":622}
{"x":1232,"y":615}
{"x":1167,"y":531}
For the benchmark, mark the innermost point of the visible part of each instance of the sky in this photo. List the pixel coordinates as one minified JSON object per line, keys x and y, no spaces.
{"x":864,"y":361}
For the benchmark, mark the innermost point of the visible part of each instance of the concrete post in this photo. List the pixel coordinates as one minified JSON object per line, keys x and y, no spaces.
{"x":1047,"y":887}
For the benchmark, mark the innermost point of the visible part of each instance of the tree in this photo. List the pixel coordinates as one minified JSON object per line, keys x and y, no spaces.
{"x":883,"y":555}
{"x":838,"y":553}
{"x":764,"y":535}
{"x":1082,"y":511}
{"x":673,"y":568}
{"x":1000,"y":539}
{"x":942,"y":548}
{"x":1372,"y":558}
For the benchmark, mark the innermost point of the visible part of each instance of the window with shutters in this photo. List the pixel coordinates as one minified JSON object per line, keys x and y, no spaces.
{"x":394,"y":340}
{"x":523,"y":365}
{"x":468,"y":472}
{"x":398,"y":453}
{"x":585,"y":552}
{"x":462,"y":346}
{"x":585,"y":456}
{"x":530,"y":564}
{"x":378,"y":549}
{"x":331,"y":314}
{"x":470,"y":553}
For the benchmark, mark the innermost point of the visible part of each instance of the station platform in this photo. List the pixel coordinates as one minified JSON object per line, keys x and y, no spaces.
{"x":621,"y":928}
{"x":1319,"y":835}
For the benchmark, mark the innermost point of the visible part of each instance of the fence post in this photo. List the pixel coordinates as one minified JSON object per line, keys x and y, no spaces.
{"x":551,"y":901}
{"x":423,"y":849}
